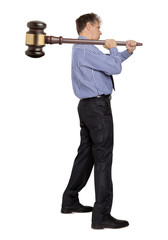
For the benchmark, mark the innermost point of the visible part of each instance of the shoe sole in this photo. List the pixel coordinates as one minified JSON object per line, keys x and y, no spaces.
{"x":106,"y":226}
{"x":67,"y":211}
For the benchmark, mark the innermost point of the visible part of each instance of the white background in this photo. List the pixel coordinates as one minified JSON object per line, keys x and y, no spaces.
{"x":39,"y":126}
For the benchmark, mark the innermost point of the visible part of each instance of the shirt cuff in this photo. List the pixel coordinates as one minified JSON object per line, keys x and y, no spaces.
{"x":113,"y":51}
{"x":126,"y":54}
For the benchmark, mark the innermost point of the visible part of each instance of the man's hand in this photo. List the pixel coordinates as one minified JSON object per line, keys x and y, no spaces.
{"x":131,"y":46}
{"x":110,"y":43}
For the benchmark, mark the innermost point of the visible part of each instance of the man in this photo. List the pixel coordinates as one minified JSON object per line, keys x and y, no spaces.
{"x":93,"y":84}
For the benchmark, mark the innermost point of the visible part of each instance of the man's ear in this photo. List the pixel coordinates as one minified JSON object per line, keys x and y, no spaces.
{"x":88,"y":25}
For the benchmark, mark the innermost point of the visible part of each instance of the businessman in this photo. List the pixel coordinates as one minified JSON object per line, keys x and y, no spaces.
{"x":92,"y":80}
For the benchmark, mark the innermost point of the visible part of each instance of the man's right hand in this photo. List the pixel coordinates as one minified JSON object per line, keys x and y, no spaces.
{"x":110,"y":43}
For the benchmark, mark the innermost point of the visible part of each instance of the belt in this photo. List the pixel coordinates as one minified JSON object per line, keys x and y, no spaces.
{"x":99,"y":96}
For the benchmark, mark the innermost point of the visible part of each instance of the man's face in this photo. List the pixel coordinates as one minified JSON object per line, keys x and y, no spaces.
{"x":95,"y":31}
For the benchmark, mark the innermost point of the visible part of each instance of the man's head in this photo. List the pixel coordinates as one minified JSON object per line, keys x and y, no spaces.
{"x":88,"y":25}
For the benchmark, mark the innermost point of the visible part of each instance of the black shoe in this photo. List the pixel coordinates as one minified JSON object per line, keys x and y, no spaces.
{"x":79,"y":208}
{"x":111,"y":222}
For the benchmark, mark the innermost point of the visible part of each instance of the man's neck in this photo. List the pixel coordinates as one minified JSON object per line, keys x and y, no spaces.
{"x":83,"y":34}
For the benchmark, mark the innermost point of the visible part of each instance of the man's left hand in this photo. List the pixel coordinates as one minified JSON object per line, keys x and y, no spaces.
{"x":131,"y":46}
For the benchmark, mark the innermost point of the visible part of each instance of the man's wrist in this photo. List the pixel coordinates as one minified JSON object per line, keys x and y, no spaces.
{"x":129,"y":51}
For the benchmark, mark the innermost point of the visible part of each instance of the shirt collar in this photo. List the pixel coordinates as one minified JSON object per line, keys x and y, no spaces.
{"x":82,"y":37}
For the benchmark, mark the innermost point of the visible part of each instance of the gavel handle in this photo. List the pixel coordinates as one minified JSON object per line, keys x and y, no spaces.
{"x":61,"y":40}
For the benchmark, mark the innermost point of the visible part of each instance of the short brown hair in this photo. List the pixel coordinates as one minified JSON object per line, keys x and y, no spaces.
{"x":82,"y":20}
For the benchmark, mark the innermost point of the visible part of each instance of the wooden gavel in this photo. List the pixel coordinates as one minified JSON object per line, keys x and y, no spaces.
{"x":36,"y":40}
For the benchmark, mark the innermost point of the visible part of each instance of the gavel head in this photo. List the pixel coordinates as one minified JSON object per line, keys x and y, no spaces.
{"x":35,"y":39}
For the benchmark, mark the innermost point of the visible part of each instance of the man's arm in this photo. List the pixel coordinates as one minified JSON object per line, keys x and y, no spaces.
{"x":109,"y":64}
{"x":131,"y":46}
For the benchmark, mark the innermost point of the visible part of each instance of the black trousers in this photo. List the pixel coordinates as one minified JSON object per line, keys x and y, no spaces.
{"x":96,"y":148}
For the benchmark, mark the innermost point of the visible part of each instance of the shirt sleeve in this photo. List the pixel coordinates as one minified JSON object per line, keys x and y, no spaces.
{"x":109,"y":64}
{"x":124,"y":55}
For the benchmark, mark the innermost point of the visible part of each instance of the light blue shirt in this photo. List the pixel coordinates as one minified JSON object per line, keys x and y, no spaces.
{"x":91,"y":69}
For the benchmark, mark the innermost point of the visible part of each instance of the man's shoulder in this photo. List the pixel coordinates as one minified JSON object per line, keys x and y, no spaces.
{"x":86,"y":47}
